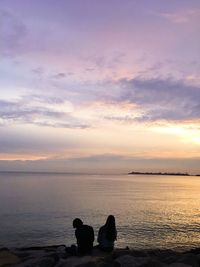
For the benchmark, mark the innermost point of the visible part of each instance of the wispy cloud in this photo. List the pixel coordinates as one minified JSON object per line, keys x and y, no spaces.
{"x":127,"y":100}
{"x":183,"y":16}
{"x":162,"y":99}
{"x":59,"y":75}
{"x":39,"y":113}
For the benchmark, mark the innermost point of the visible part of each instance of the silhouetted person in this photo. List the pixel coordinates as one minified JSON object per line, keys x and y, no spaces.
{"x":107,"y":234}
{"x":84,"y":236}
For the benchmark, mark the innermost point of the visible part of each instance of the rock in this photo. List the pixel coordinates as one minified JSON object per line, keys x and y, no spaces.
{"x":47,"y":248}
{"x":32,"y":256}
{"x":23,"y":255}
{"x":120,"y":252}
{"x":178,"y":264}
{"x":168,"y":256}
{"x":61,"y":252}
{"x":46,"y":262}
{"x":190,"y":259}
{"x":162,"y":253}
{"x":105,"y":264}
{"x":153,"y":263}
{"x":37,"y":262}
{"x":7,"y":257}
{"x":87,"y":264}
{"x":195,"y":251}
{"x":78,"y":261}
{"x":138,"y":253}
{"x":130,"y":261}
{"x":62,"y":263}
{"x":170,"y":259}
{"x":32,"y":248}
{"x":30,"y":253}
{"x":198,"y":257}
{"x":56,"y":256}
{"x":4,"y":249}
{"x":99,"y":253}
{"x":162,"y":257}
{"x":53,"y":255}
{"x":111,"y":264}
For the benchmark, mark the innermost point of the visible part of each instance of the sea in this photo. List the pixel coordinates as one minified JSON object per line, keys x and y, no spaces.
{"x":37,"y":209}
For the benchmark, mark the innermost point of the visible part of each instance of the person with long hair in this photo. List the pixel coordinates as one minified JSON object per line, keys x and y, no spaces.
{"x":107,"y":234}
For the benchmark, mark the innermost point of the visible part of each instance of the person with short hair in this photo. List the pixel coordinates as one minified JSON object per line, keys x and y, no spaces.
{"x":107,"y":235}
{"x":84,"y":236}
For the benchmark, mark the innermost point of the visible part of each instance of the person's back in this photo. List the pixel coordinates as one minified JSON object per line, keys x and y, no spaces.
{"x":85,"y":238}
{"x":107,"y":234}
{"x":103,"y":241}
{"x":84,"y":235}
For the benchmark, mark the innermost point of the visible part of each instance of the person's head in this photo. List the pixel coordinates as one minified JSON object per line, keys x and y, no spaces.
{"x":77,"y":223}
{"x":110,"y":222}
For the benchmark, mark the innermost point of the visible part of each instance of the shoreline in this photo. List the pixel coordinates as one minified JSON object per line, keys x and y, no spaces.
{"x":56,"y":256}
{"x":162,"y":173}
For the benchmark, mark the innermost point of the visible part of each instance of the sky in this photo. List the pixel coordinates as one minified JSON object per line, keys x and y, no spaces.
{"x":105,"y":86}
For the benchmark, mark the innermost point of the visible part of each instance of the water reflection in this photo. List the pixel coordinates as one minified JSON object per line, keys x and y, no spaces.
{"x":150,"y":211}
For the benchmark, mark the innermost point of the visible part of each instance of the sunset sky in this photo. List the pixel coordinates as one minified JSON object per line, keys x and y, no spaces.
{"x":100,"y":85}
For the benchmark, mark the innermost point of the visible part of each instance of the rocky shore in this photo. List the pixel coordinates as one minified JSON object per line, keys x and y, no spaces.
{"x":56,"y":256}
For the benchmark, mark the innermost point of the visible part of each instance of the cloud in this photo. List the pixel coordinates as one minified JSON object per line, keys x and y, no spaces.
{"x":105,"y":61}
{"x":160,"y":99}
{"x":38,"y":71}
{"x":124,"y":118}
{"x":126,"y":100}
{"x":70,"y":125}
{"x":116,"y":164}
{"x":39,"y":113}
{"x":184,"y":16}
{"x":59,"y":75}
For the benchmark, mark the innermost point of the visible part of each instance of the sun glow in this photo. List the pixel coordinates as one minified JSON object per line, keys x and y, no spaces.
{"x":186,"y":133}
{"x":10,"y":157}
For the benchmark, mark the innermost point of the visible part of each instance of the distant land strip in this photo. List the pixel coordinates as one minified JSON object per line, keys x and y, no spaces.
{"x":163,"y":173}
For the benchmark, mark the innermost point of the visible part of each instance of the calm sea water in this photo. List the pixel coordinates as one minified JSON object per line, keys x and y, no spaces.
{"x":150,"y":211}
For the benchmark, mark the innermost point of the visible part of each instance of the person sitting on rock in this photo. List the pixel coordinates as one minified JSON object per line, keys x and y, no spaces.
{"x":107,"y":235}
{"x":84,"y":236}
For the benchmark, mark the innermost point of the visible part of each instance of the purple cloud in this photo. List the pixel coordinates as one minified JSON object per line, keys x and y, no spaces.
{"x":19,"y":112}
{"x":59,"y":75}
{"x":161,"y":98}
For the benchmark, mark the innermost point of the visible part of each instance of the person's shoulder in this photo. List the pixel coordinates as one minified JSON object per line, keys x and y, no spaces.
{"x":102,"y":228}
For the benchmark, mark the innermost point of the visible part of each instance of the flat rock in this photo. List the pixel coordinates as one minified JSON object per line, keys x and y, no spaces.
{"x":178,"y":264}
{"x":37,"y":262}
{"x":130,"y":261}
{"x":79,"y":261}
{"x":153,"y":263}
{"x":120,"y":252}
{"x":190,"y":259}
{"x":88,"y":264}
{"x":4,"y":249}
{"x":7,"y":257}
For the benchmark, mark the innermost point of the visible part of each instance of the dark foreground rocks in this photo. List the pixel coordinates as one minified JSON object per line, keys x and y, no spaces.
{"x":56,"y":256}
